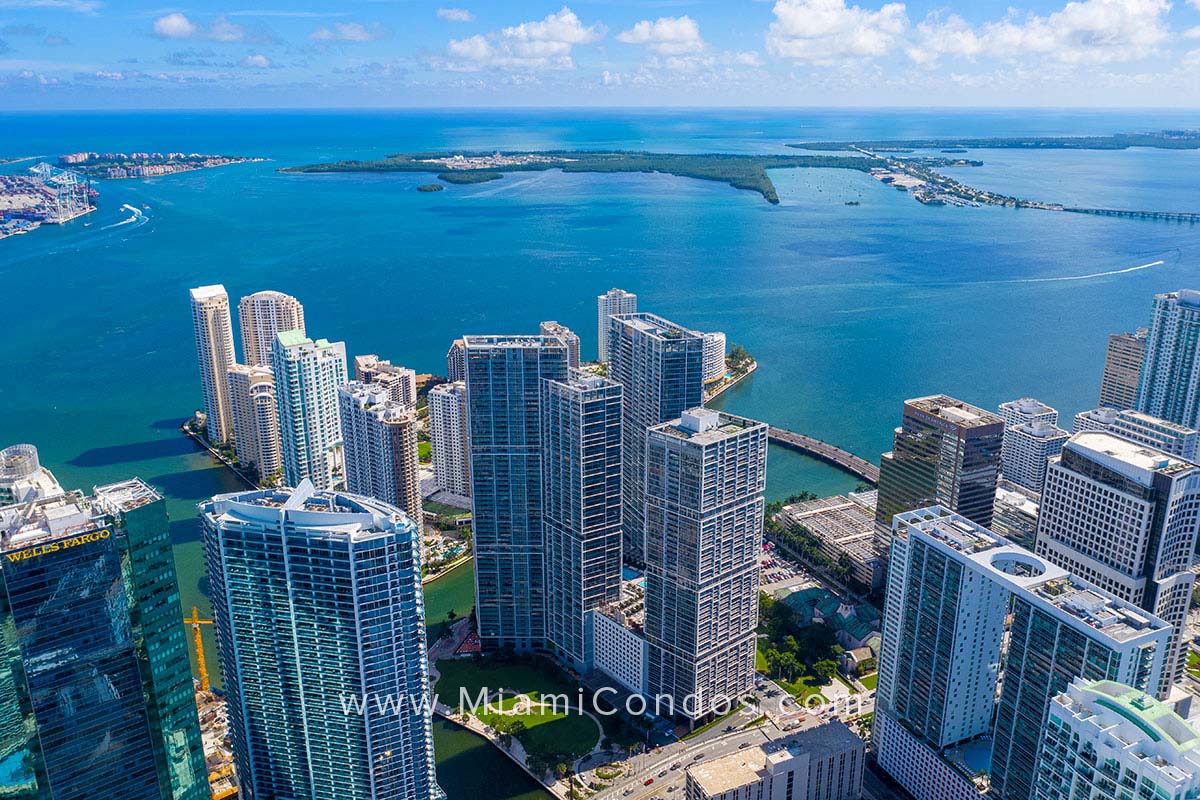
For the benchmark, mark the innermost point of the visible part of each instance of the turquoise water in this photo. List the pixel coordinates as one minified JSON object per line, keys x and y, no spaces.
{"x":849,"y":309}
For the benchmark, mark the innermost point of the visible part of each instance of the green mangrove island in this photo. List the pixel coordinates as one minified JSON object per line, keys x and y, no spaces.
{"x":1163,"y":140}
{"x":739,"y":171}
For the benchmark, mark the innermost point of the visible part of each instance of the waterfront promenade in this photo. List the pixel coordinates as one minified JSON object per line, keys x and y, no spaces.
{"x":859,"y":467}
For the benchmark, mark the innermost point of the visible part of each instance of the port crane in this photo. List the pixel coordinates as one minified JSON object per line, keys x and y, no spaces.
{"x":198,"y":642}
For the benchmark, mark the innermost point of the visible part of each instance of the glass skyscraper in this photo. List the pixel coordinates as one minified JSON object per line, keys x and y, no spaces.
{"x":504,"y":393}
{"x":661,"y":367}
{"x":320,"y":625}
{"x":705,"y":477}
{"x":96,"y":695}
{"x":581,"y":473}
{"x":946,"y":452}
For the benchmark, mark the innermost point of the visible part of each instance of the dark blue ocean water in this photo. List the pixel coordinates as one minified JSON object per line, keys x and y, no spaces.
{"x":849,"y":309}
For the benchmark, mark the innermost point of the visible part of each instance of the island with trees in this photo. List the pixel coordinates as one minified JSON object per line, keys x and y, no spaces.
{"x":1162,"y":140}
{"x":739,"y":171}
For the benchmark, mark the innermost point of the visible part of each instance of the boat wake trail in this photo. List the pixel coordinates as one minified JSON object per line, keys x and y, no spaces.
{"x":1092,"y":275}
{"x":138,"y":218}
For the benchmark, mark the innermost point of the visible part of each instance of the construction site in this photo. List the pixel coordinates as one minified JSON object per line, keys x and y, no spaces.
{"x":214,"y":719}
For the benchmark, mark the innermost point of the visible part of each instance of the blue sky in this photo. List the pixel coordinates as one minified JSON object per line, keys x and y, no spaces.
{"x":305,"y":53}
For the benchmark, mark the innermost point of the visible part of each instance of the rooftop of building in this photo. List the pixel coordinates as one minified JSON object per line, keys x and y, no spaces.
{"x":1104,"y":414}
{"x":294,"y":338}
{"x":374,"y":397}
{"x":45,"y":520}
{"x":1150,"y":421}
{"x":1011,"y":494}
{"x":954,"y":411}
{"x":842,"y":519}
{"x":124,"y":496}
{"x":1185,"y":297}
{"x":1134,"y":718}
{"x":267,"y":294}
{"x":654,"y":325}
{"x":706,"y":426}
{"x":1131,"y":459}
{"x":1040,"y":429}
{"x":19,"y":461}
{"x":213,"y":292}
{"x":328,"y":510}
{"x":1037,"y":579}
{"x":516,"y":341}
{"x":730,"y":772}
{"x":1027,"y":405}
{"x":1099,"y":610}
{"x":748,"y":766}
{"x":581,"y":379}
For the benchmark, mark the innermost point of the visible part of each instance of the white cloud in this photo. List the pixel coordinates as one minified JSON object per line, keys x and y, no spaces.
{"x":348,"y":32}
{"x":222,"y":30}
{"x":78,"y":6}
{"x":1081,"y":32}
{"x":1192,"y":33}
{"x":174,"y":26}
{"x":455,"y":15}
{"x":110,"y":76}
{"x":178,"y":26}
{"x":256,"y":61}
{"x":1086,"y":31}
{"x":666,"y":35}
{"x":475,"y":48}
{"x":540,"y":44}
{"x":824,"y":31}
{"x":938,"y":36}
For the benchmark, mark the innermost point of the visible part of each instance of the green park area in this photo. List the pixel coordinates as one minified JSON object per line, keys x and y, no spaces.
{"x":550,"y":735}
{"x":800,"y":657}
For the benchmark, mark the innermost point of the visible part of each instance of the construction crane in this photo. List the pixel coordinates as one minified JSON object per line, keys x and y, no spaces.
{"x":198,"y":640}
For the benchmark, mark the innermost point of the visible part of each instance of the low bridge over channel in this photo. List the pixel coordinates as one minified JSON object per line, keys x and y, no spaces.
{"x":848,"y":462}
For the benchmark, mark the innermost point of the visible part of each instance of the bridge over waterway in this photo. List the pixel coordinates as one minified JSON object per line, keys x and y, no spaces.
{"x":1171,"y":216}
{"x":822,"y":451}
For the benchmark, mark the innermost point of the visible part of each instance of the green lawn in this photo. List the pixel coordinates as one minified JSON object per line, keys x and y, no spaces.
{"x":870,"y":681}
{"x":546,"y":731}
{"x":760,"y":661}
{"x":424,"y":451}
{"x":451,"y":591}
{"x":443,"y":510}
{"x":803,"y":687}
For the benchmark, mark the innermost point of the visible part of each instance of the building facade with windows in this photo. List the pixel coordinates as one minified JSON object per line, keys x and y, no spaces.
{"x":1125,"y":517}
{"x":661,"y":367}
{"x":95,"y":687}
{"x":614,"y":301}
{"x":379,"y":447}
{"x":261,"y":316}
{"x":504,"y":398}
{"x":320,"y":625}
{"x":213,"y":331}
{"x":1170,"y":383}
{"x":705,"y":477}
{"x":448,"y":437}
{"x":581,"y":480}
{"x":307,"y":376}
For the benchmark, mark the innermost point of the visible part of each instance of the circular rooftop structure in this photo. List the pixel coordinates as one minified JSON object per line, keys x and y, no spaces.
{"x":1017,"y":564}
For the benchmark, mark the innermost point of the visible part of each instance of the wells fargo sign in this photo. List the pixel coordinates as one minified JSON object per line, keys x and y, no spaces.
{"x":62,"y":544}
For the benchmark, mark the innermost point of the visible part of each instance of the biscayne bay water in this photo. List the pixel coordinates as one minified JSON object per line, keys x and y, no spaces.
{"x":849,"y":309}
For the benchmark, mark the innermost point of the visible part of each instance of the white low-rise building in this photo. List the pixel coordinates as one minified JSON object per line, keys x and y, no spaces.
{"x":619,"y":651}
{"x":821,"y":763}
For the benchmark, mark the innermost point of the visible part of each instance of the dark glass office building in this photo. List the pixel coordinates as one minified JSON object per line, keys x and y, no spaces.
{"x":95,"y":687}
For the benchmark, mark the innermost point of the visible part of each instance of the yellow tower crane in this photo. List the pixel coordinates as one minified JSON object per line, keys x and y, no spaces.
{"x":196,"y":622}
